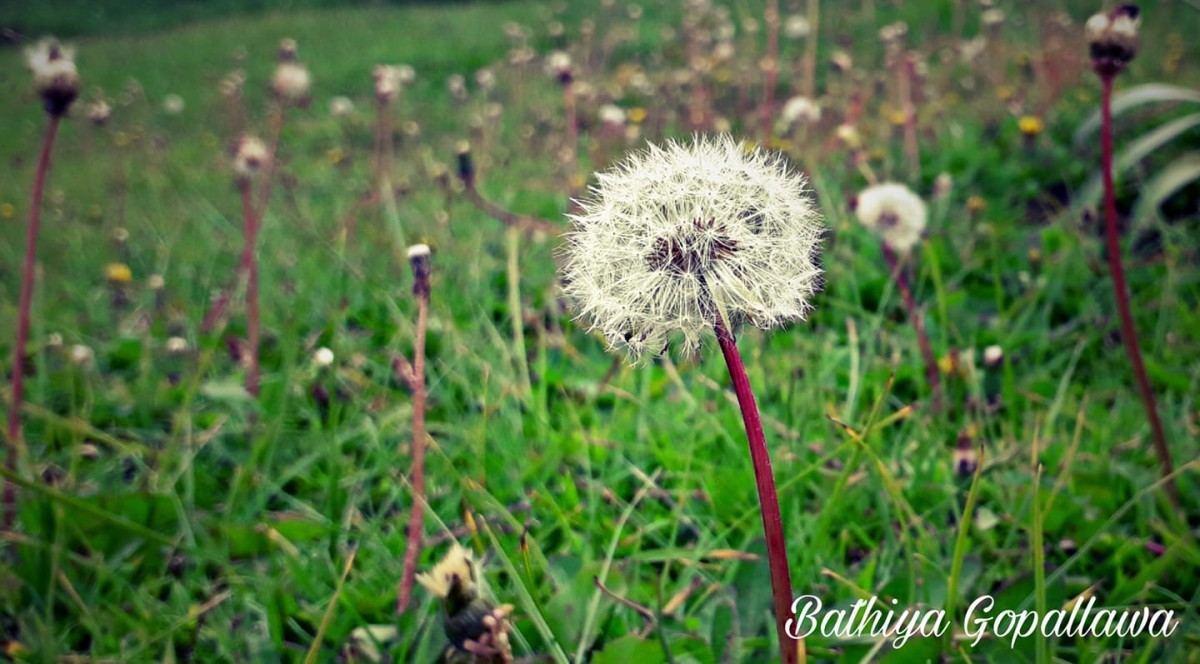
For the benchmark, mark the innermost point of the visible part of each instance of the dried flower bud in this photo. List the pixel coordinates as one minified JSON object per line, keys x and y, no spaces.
{"x":466,"y":167}
{"x":418,"y":257}
{"x":1113,"y":38}
{"x":54,"y":75}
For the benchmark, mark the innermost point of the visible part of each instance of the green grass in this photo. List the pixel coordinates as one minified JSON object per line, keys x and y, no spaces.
{"x":157,"y":524}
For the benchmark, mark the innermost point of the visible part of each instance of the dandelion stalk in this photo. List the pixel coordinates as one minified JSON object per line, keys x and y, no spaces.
{"x":418,"y":257}
{"x":764,"y":479}
{"x":250,"y":265}
{"x":914,"y":315}
{"x":771,"y":66}
{"x":1113,"y":41}
{"x":57,"y":82}
{"x":27,"y":276}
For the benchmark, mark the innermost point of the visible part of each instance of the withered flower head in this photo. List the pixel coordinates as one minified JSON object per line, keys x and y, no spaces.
{"x":1113,"y":38}
{"x":54,"y":75}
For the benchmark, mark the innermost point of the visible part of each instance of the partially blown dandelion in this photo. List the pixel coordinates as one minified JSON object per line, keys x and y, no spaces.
{"x":476,"y":627}
{"x":680,"y":239}
{"x":685,"y":239}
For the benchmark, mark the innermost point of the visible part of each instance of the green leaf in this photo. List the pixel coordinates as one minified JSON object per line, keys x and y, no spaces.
{"x":1134,"y":97}
{"x":1137,"y":151}
{"x":631,"y":649}
{"x":1165,"y":183}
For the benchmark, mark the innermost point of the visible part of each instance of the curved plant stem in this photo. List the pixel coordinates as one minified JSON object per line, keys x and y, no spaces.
{"x":27,"y":274}
{"x":931,"y":367}
{"x":768,"y":500}
{"x":1121,"y":290}
{"x":416,"y":519}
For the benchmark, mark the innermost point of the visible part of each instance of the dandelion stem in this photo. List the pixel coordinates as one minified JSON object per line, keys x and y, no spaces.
{"x":931,"y":367}
{"x":1128,"y":331}
{"x":416,"y":519}
{"x":250,"y":266}
{"x":27,"y":274}
{"x":771,"y":66}
{"x":768,"y":500}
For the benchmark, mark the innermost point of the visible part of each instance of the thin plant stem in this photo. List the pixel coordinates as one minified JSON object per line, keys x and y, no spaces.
{"x":27,"y":275}
{"x":1121,"y":290}
{"x":250,"y":264}
{"x":569,"y":104}
{"x":514,"y":310}
{"x":931,"y":367}
{"x":768,"y":500}
{"x":810,"y":49}
{"x":416,"y":519}
{"x":772,"y":68}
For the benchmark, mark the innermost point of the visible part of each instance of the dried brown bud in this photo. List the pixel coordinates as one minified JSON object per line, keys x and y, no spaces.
{"x":418,"y":257}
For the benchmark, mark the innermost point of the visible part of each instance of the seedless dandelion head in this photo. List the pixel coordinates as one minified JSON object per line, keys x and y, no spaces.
{"x":676,"y":238}
{"x":54,"y":75}
{"x":894,"y":213}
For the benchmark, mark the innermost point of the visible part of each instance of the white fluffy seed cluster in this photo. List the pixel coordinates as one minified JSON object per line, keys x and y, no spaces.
{"x":675,"y":238}
{"x":55,"y":77}
{"x":894,"y":213}
{"x":291,"y":81}
{"x":251,"y":156}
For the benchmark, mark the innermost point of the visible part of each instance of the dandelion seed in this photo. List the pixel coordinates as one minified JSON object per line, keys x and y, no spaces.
{"x":55,"y":77}
{"x":894,"y":213}
{"x":675,"y":238}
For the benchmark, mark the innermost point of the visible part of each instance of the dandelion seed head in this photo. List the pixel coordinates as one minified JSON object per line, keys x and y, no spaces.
{"x":455,"y":569}
{"x":82,"y":356}
{"x":796,"y":26}
{"x":173,"y":104}
{"x":55,"y":77}
{"x":250,"y":157}
{"x":323,"y":357}
{"x":291,"y":82}
{"x":799,"y":109}
{"x":1112,"y":38}
{"x":99,"y":112}
{"x":177,"y":345}
{"x":676,"y":238}
{"x":340,"y":107}
{"x":611,"y":114}
{"x":894,"y":213}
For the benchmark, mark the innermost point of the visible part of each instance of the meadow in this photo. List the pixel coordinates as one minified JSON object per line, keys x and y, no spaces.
{"x":166,"y":512}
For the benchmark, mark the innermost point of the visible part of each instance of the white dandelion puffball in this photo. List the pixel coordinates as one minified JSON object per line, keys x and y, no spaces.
{"x":55,"y":77}
{"x":173,"y":104}
{"x":250,"y":157}
{"x":291,"y":81}
{"x":894,"y":213}
{"x":676,"y":238}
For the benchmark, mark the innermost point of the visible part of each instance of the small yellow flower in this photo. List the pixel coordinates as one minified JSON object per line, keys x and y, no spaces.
{"x":637,"y":115}
{"x":1031,"y":125}
{"x":118,"y":273}
{"x":8,"y":210}
{"x":898,"y":118}
{"x":1035,"y":254}
{"x":1004,"y":93}
{"x":976,"y":203}
{"x":946,"y":364}
{"x":577,"y":181}
{"x":334,"y":156}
